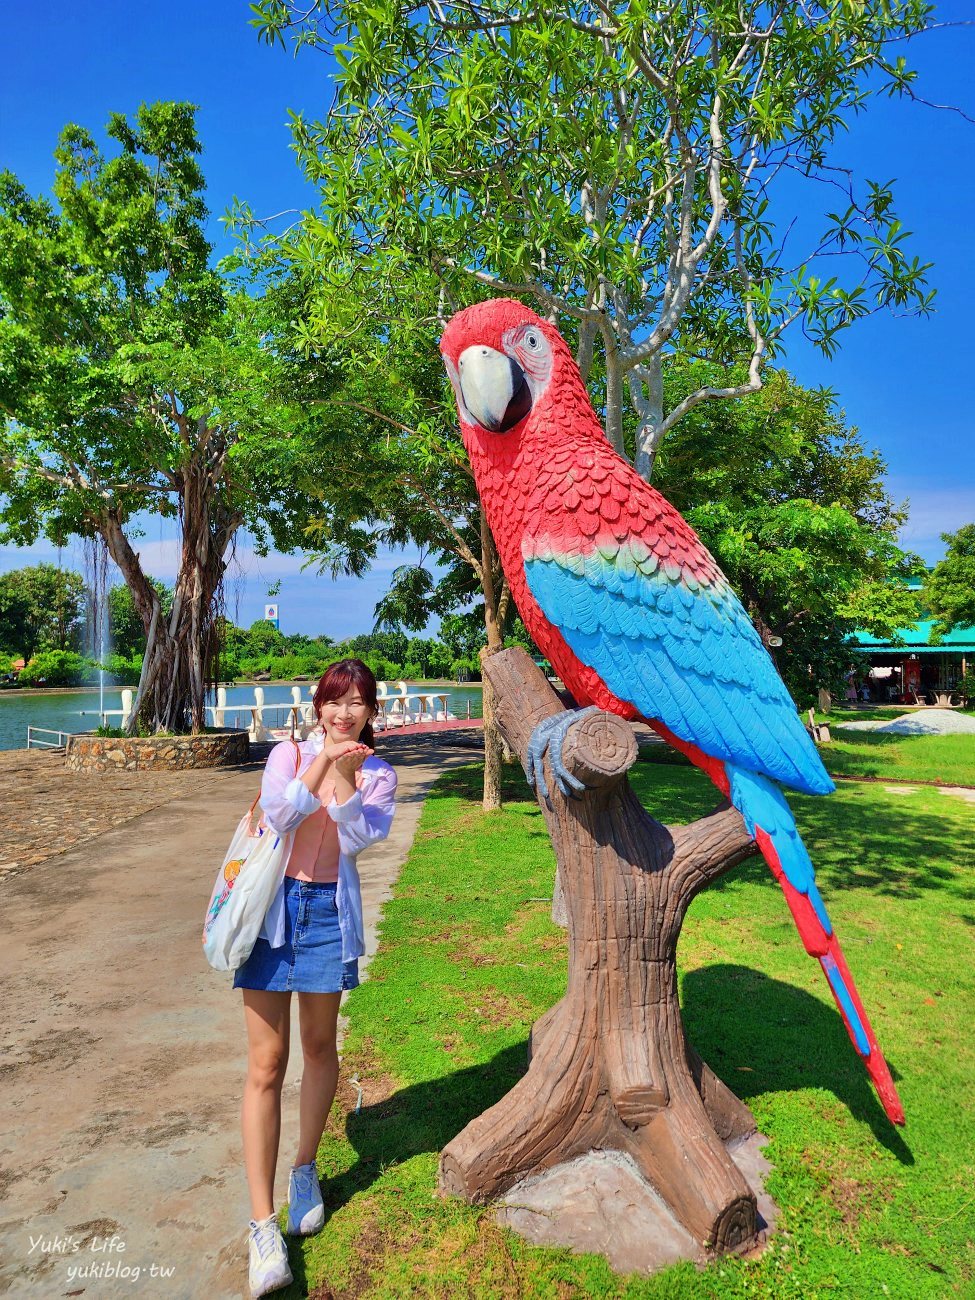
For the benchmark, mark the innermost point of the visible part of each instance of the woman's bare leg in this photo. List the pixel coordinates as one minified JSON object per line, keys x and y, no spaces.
{"x":318,"y":1016}
{"x":268,"y":1019}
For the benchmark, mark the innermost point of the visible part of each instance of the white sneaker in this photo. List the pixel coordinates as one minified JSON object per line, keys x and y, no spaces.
{"x":269,"y":1267}
{"x":306,"y":1213}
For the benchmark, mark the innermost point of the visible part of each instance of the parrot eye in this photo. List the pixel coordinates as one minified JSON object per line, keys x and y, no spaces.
{"x":532,"y":339}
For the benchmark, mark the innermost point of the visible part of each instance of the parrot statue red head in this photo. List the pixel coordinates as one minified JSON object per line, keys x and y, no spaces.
{"x":509,"y":368}
{"x":631,"y":610}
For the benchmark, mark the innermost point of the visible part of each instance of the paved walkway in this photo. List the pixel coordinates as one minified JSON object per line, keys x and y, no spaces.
{"x":123,"y":1054}
{"x":47,"y":809}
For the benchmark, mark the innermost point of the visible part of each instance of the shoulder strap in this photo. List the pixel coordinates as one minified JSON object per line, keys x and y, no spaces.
{"x":297,"y":769}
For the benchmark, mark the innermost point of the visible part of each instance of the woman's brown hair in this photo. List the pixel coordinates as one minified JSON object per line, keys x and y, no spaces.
{"x":337,"y":679}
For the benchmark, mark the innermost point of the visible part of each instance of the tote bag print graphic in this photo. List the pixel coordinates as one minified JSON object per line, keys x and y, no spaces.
{"x":248,"y":879}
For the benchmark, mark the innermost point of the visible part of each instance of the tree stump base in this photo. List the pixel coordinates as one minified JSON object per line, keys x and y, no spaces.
{"x":612,"y":1076}
{"x":600,"y":1204}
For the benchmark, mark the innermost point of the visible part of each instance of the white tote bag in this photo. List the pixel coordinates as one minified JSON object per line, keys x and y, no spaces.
{"x":250,"y":876}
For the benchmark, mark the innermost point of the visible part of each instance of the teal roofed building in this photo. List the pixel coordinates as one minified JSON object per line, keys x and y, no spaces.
{"x":908,"y":669}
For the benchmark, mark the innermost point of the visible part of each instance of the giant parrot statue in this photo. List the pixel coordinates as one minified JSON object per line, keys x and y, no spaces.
{"x":632,"y":611}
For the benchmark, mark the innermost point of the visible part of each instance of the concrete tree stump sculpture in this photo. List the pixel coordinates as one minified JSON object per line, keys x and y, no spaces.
{"x":610,"y":1066}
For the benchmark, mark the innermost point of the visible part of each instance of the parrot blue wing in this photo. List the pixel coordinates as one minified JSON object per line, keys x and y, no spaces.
{"x":680,"y":650}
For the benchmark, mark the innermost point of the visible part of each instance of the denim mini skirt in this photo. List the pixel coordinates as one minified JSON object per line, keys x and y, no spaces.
{"x":310,"y":960}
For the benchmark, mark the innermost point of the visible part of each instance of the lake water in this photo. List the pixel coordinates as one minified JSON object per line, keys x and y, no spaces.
{"x":78,"y":710}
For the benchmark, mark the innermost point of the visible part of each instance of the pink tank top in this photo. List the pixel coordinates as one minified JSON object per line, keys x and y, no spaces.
{"x":315,"y":850}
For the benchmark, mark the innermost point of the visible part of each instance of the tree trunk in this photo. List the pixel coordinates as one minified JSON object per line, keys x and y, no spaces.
{"x":610,"y":1067}
{"x":647,"y":392}
{"x":180,"y":650}
{"x":491,"y":800}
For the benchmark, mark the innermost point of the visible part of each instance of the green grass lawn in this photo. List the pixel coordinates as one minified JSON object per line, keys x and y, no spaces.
{"x":864,"y":713}
{"x":947,"y":760}
{"x":469,"y":959}
{"x":877,"y":713}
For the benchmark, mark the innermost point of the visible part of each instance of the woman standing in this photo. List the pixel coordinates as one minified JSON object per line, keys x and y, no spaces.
{"x":336,"y":798}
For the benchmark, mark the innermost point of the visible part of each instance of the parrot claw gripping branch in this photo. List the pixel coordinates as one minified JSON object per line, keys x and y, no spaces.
{"x":549,"y":736}
{"x":638,"y":621}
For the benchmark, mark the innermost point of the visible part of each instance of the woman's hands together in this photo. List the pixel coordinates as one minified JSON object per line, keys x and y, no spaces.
{"x":347,"y":756}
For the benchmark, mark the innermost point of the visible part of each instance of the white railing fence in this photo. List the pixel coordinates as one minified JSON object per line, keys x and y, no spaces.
{"x":34,"y":740}
{"x":263,"y":722}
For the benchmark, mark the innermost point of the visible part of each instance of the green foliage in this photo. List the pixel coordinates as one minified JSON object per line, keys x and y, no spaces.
{"x":616,"y":166}
{"x":57,"y":668}
{"x":793,"y":506}
{"x":412,"y":483}
{"x":128,"y":636}
{"x":466,"y":669}
{"x":42,"y":607}
{"x":123,"y":670}
{"x":617,"y":169}
{"x":462,"y":634}
{"x":949,"y":591}
{"x":140,"y":730}
{"x":390,"y":654}
{"x":264,"y":638}
{"x":135,"y":376}
{"x":93,"y":291}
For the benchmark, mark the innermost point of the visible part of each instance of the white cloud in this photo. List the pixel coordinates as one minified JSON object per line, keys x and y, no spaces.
{"x":19,"y":557}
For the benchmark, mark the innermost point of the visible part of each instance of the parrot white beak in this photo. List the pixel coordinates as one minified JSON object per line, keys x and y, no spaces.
{"x":494,"y":388}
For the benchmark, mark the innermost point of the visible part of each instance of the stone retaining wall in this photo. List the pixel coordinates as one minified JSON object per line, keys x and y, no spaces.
{"x":131,"y":753}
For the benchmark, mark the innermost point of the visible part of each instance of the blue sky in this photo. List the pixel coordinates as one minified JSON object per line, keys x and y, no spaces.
{"x":902,"y":381}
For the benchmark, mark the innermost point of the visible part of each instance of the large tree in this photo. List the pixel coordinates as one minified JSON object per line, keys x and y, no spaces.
{"x":42,"y":607}
{"x":793,"y":505}
{"x":949,"y":592}
{"x":658,"y":178}
{"x":135,"y":378}
{"x":614,"y":164}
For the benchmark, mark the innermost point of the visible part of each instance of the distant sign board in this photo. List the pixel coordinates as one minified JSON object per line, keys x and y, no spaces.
{"x":271,"y":614}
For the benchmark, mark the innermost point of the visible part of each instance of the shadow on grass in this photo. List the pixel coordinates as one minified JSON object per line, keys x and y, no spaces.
{"x":758,"y":1034}
{"x":900,"y":851}
{"x":421,"y":1118}
{"x":761,"y":1035}
{"x":468,"y":783}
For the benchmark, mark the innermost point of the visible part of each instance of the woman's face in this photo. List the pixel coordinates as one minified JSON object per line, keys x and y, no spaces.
{"x":344,"y":718}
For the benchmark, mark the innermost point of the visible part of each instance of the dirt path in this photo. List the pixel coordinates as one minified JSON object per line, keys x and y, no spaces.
{"x":123,"y":1054}
{"x":37,"y":788}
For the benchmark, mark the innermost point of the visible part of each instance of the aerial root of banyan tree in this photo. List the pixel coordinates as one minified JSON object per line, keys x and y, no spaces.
{"x":610,"y":1066}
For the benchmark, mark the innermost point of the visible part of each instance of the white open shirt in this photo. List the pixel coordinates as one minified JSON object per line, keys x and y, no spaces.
{"x":363,"y":819}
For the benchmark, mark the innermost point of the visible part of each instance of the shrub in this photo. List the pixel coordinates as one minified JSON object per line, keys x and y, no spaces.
{"x":439,"y":661}
{"x":122,"y":670}
{"x":57,"y":668}
{"x":384,"y":670}
{"x":230,"y":668}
